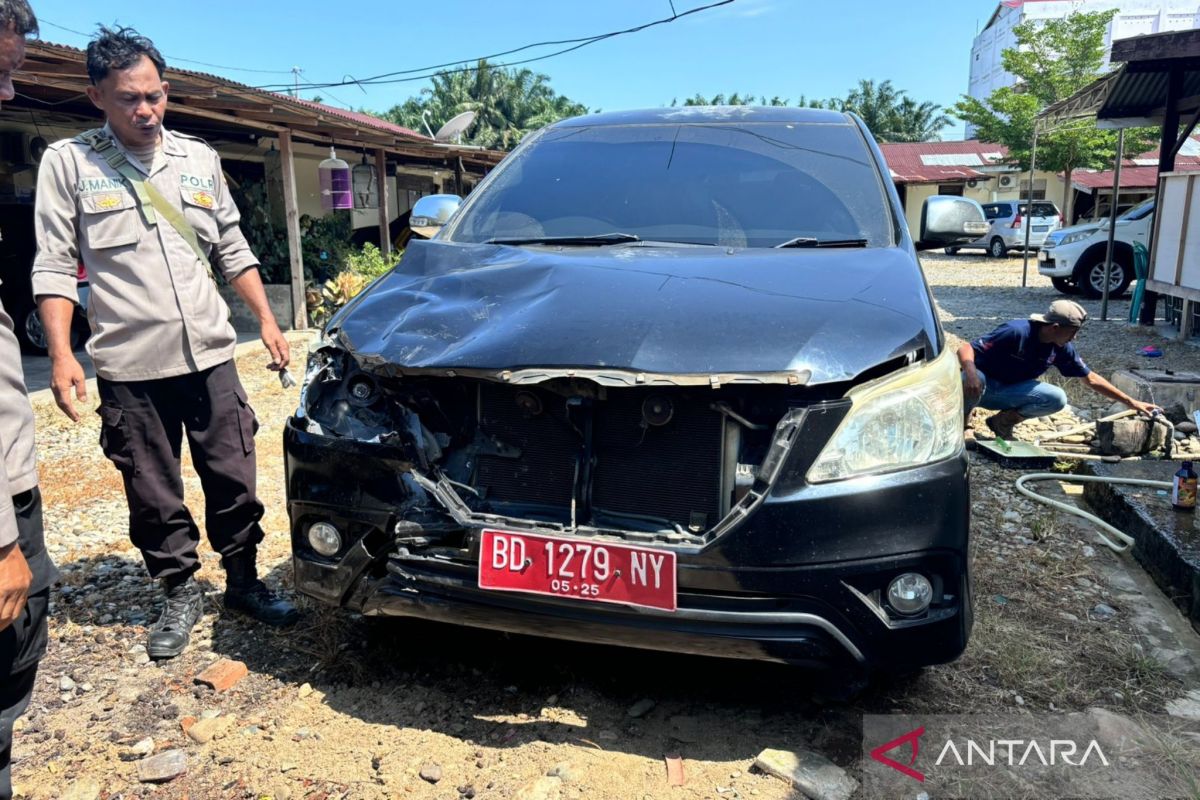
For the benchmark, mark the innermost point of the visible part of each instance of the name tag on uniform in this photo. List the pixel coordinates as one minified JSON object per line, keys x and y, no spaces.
{"x":101,"y":194}
{"x":100,"y":185}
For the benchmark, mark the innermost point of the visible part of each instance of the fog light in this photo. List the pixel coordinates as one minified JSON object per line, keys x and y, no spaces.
{"x":910,"y":594}
{"x":324,"y":538}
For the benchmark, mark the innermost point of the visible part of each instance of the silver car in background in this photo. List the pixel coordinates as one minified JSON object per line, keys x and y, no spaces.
{"x":1008,"y":220}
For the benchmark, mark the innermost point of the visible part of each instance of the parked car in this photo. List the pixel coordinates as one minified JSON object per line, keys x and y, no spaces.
{"x":1101,"y":213}
{"x":669,"y":379}
{"x":1008,"y":220}
{"x":17,"y":249}
{"x":1073,"y":258}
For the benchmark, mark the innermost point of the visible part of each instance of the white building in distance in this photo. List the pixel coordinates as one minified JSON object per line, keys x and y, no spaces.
{"x":1134,"y":18}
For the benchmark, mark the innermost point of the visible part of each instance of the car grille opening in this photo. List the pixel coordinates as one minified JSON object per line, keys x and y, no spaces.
{"x":668,"y":470}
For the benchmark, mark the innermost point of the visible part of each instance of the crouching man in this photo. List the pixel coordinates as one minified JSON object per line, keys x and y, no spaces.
{"x":1000,"y":371}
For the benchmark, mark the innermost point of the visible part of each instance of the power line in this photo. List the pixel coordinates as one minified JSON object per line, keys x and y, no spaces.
{"x":390,"y":77}
{"x":44,"y":21}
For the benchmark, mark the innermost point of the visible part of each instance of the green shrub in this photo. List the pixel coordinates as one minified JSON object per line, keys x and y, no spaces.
{"x":369,"y":262}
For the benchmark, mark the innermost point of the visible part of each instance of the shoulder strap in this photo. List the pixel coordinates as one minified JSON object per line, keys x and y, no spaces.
{"x":149,"y":199}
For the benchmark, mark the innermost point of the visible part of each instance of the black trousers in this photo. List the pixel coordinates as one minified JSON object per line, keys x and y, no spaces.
{"x":23,"y":643}
{"x":142,"y":424}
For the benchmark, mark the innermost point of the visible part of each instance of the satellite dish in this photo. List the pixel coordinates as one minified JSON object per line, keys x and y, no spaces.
{"x":453,"y":130}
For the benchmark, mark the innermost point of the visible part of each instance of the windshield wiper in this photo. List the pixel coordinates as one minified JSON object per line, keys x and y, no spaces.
{"x":812,"y":241}
{"x":582,"y":241}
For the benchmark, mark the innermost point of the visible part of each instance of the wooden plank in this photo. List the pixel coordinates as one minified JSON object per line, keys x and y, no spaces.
{"x":1174,"y":44}
{"x":1185,"y":321}
{"x":1183,"y":232}
{"x":1158,"y":192}
{"x":385,"y":234}
{"x":1172,"y":290}
{"x":225,"y":103}
{"x":292,"y":212}
{"x":204,"y":113}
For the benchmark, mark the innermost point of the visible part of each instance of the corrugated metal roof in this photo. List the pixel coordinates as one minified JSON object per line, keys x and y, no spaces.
{"x":935,"y":162}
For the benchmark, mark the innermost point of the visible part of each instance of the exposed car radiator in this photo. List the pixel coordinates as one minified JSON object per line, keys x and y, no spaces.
{"x":671,"y":470}
{"x":544,"y":474}
{"x":662,"y":460}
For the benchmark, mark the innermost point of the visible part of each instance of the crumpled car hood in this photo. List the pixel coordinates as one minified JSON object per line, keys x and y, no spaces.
{"x":650,"y":309}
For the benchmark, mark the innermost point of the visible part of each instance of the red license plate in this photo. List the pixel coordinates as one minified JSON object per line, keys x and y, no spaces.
{"x":583,"y":570}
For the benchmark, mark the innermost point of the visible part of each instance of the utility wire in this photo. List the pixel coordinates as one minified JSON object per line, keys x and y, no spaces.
{"x":44,"y":21}
{"x":390,"y":77}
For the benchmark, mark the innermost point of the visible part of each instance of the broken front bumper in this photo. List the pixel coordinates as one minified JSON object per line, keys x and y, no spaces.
{"x":796,"y":582}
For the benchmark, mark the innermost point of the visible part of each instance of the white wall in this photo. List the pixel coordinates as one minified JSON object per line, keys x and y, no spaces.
{"x":985,"y":191}
{"x":1134,"y":18}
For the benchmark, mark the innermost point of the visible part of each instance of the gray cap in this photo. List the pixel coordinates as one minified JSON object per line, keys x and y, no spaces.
{"x":1067,"y":313}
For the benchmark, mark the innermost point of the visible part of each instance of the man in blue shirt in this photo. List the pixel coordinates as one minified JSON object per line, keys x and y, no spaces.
{"x":1000,"y":371}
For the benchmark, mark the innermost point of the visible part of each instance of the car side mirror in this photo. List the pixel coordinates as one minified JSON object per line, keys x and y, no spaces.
{"x":947,"y":220}
{"x":431,"y":212}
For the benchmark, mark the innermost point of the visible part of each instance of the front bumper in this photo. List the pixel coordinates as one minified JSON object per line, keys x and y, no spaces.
{"x":793,"y":584}
{"x":1055,"y":263}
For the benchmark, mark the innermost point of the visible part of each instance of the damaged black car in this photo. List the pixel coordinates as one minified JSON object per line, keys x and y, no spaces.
{"x":667,"y":379}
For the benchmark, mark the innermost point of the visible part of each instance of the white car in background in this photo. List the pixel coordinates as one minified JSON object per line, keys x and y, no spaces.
{"x":1008,"y":220}
{"x":1073,"y":258}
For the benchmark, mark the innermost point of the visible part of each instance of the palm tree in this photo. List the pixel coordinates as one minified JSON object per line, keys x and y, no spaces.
{"x":917,"y":122}
{"x":892,"y":116}
{"x":508,"y":103}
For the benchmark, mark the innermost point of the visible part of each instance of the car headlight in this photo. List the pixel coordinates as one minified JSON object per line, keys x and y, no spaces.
{"x":908,"y":418}
{"x":1078,"y":236}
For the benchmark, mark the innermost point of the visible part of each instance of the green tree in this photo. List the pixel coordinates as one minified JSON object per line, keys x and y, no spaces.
{"x":1053,"y":59}
{"x":889,"y":113}
{"x":508,"y":104}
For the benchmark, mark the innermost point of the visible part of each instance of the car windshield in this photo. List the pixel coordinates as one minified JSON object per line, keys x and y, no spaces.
{"x":1140,"y":210}
{"x":727,"y":184}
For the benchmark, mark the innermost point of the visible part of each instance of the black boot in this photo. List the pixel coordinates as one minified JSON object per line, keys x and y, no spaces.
{"x":169,"y":635}
{"x":244,"y":592}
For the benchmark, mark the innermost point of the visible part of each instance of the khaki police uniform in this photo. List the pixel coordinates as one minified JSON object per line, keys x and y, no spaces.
{"x":24,"y":641}
{"x":161,"y":339}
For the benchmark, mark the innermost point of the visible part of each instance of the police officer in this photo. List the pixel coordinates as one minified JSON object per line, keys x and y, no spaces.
{"x":25,"y":568}
{"x":148,"y":212}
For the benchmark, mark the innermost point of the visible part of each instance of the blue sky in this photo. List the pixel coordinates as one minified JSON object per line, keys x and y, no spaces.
{"x":817,"y":48}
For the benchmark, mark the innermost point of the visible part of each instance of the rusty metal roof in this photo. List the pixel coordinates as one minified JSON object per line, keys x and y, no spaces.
{"x":54,"y":79}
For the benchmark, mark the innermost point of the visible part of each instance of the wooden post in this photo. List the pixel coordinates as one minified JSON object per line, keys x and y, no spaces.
{"x":1112,"y":224}
{"x":1185,"y":321}
{"x":299,"y":308}
{"x":1166,"y":162}
{"x":1028,"y":210}
{"x":385,"y":234}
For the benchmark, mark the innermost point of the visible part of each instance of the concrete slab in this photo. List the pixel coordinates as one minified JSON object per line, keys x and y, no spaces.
{"x":1167,"y":540}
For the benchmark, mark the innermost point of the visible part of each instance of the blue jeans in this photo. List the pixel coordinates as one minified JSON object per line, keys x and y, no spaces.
{"x":1029,"y":398}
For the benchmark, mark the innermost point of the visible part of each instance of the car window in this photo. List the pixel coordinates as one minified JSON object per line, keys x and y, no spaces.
{"x":1140,"y":210}
{"x":995,"y":210}
{"x":729,"y":184}
{"x":1044,"y":210}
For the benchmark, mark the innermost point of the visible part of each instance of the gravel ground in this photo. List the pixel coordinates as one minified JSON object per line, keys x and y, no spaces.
{"x":343,"y":707}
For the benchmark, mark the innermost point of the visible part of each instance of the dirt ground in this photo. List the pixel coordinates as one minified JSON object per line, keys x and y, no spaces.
{"x":345,"y":707}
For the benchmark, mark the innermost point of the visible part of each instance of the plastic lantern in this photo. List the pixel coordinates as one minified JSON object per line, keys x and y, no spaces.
{"x":336,"y":189}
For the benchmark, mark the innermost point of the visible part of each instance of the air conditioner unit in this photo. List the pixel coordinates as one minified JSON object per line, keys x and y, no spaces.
{"x":972,"y":183}
{"x":1007,"y":181}
{"x":22,"y":148}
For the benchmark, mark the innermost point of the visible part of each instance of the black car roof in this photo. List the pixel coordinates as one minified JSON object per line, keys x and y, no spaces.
{"x":708,"y":114}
